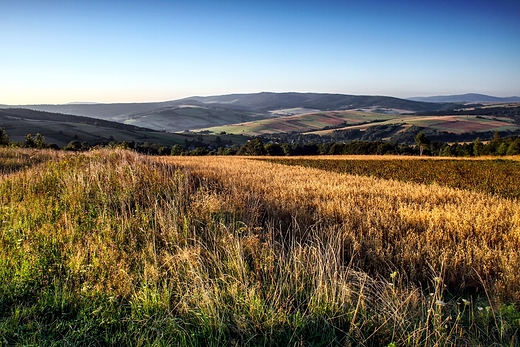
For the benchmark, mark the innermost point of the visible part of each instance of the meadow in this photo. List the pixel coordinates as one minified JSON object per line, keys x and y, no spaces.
{"x":109,"y":247}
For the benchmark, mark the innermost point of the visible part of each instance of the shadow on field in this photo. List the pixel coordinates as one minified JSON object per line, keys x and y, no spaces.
{"x":12,"y":161}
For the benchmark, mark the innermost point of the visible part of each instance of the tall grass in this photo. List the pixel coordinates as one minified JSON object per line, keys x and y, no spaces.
{"x":13,"y":160}
{"x":500,"y":177}
{"x":387,"y":225}
{"x":113,"y":248}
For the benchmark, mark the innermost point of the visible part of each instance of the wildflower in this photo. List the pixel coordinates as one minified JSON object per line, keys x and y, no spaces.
{"x":466,"y":302}
{"x":479,"y":308}
{"x":393,"y":275}
{"x":437,"y":279}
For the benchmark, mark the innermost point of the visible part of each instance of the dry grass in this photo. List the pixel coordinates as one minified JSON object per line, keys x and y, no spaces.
{"x":113,"y":248}
{"x":497,"y":177}
{"x":384,"y":225}
{"x":12,"y":160}
{"x":389,"y":157}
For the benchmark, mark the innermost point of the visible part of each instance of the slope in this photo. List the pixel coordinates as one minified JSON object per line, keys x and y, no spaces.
{"x":265,"y":101}
{"x":464,"y":98}
{"x":60,"y":129}
{"x":198,"y":112}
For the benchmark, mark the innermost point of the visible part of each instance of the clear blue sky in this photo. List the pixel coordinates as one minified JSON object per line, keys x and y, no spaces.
{"x":130,"y":51}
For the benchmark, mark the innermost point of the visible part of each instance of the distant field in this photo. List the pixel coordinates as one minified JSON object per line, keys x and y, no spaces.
{"x":324,"y":123}
{"x":67,"y":128}
{"x":301,"y":123}
{"x":61,"y":133}
{"x":178,"y":119}
{"x":452,"y":124}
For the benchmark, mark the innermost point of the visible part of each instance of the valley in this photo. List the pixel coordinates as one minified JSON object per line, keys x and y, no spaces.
{"x":226,"y":120}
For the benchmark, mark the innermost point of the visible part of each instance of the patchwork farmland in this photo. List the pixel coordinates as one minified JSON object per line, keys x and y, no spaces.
{"x":324,"y":123}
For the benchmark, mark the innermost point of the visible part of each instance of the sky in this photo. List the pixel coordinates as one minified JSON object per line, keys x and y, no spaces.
{"x":65,"y":51}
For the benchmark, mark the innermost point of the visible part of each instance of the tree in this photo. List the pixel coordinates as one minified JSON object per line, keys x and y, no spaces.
{"x":4,"y":139}
{"x":445,"y":151}
{"x":29,"y":141}
{"x":495,"y":143}
{"x":422,"y":142}
{"x":502,"y":149}
{"x":274,"y":149}
{"x":40,"y":141}
{"x":477,"y":147}
{"x":253,"y":147}
{"x":73,"y":145}
{"x":164,"y":150}
{"x":337,"y":148}
{"x":514,"y":147}
{"x":176,"y":150}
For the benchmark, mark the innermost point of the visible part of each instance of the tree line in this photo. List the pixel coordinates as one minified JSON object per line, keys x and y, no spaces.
{"x":258,"y":146}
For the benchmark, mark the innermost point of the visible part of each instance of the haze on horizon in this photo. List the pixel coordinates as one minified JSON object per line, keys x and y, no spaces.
{"x":132,"y":51}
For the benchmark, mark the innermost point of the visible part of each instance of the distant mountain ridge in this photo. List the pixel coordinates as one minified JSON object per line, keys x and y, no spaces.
{"x":266,"y":101}
{"x":466,"y":98}
{"x":209,"y":111}
{"x":234,"y":117}
{"x":256,"y":102}
{"x":102,"y":111}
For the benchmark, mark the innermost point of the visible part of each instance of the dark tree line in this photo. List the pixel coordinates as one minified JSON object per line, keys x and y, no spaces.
{"x":258,"y":146}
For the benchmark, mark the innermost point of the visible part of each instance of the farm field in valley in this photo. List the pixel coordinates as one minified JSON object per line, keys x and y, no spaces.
{"x":301,"y":122}
{"x":113,"y":248}
{"x":452,"y":124}
{"x":324,"y":123}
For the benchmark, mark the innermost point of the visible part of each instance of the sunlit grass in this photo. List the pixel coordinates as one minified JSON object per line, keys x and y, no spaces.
{"x":499,"y":177}
{"x":113,"y":248}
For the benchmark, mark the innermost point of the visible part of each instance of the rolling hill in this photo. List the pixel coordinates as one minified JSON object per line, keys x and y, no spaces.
{"x":60,"y":129}
{"x":466,"y":98}
{"x":210,"y":111}
{"x":302,"y":123}
{"x":265,"y":102}
{"x":355,"y":125}
{"x":231,"y":116}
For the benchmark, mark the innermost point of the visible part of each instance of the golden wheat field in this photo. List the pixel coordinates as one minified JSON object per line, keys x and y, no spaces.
{"x":384,"y":225}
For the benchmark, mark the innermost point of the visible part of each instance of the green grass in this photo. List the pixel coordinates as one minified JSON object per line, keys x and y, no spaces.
{"x":110,"y":248}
